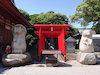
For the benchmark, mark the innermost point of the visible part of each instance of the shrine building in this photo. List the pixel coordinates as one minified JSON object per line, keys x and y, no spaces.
{"x":9,"y":16}
{"x":52,"y":31}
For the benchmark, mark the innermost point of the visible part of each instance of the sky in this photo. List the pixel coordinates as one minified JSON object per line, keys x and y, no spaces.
{"x":66,"y":7}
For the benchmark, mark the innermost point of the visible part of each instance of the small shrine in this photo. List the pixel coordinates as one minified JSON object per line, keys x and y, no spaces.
{"x":51,"y":31}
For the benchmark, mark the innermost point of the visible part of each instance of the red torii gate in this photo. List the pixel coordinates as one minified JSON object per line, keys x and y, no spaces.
{"x":52,"y":31}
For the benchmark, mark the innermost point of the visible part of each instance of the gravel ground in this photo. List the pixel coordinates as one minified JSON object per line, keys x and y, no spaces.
{"x":71,"y":67}
{"x":29,"y":70}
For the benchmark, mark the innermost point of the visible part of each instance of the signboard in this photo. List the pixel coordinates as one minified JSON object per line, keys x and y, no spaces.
{"x":51,"y":52}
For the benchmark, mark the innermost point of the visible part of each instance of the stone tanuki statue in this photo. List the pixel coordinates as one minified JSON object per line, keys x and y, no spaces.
{"x":86,"y":43}
{"x":19,"y":55}
{"x":86,"y":54}
{"x":19,"y":42}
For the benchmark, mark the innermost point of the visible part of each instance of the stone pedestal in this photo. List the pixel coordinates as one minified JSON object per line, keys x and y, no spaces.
{"x":87,"y":58}
{"x":16,"y":59}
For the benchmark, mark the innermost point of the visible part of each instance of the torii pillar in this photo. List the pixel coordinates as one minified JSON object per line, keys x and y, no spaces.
{"x":52,"y":31}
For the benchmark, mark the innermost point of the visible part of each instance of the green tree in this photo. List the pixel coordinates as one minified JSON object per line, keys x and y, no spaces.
{"x":96,"y":28}
{"x":72,"y":30}
{"x":88,"y":11}
{"x":49,"y":18}
{"x":33,"y":19}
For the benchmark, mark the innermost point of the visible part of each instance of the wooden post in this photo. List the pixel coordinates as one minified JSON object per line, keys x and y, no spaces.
{"x":61,"y":43}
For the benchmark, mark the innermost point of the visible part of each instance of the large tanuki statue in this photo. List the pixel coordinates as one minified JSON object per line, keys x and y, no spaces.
{"x":86,"y":43}
{"x":86,"y":54}
{"x":19,"y":55}
{"x":19,"y":42}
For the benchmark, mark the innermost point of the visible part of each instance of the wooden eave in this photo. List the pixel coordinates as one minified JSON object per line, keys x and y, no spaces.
{"x":10,"y":8}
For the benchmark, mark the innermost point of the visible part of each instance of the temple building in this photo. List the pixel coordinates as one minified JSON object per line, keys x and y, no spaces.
{"x":9,"y":16}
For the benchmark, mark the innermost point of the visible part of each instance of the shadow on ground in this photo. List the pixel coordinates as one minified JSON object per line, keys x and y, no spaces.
{"x":3,"y":69}
{"x":61,"y":64}
{"x":43,"y":64}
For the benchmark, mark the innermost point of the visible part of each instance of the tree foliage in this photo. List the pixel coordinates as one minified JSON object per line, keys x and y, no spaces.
{"x":72,"y":30}
{"x":30,"y":36}
{"x":96,"y":28}
{"x":49,"y":18}
{"x":88,"y":11}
